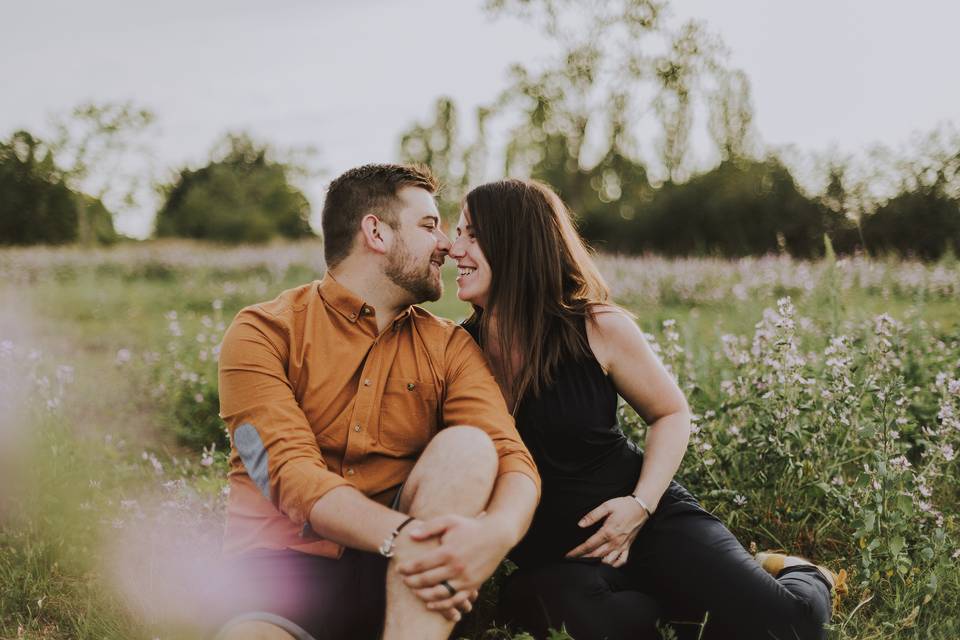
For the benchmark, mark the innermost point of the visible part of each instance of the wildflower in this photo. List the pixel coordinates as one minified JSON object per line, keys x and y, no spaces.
{"x":955,"y":554}
{"x":123,"y":356}
{"x":739,"y":500}
{"x":947,"y":452}
{"x":207,"y":458}
{"x":954,"y":387}
{"x":900,"y":463}
{"x":218,"y":304}
{"x":198,"y":398}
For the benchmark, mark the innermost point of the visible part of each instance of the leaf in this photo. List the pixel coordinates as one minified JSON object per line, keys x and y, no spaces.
{"x":905,"y":504}
{"x":896,"y":545}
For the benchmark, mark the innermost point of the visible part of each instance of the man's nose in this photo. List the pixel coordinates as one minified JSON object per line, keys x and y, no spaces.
{"x":443,"y":242}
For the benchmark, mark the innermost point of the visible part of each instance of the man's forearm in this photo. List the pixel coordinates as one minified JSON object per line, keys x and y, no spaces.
{"x":513,"y":502}
{"x":348,"y":517}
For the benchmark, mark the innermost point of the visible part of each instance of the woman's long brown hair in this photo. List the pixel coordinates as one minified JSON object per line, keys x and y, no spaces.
{"x":543,"y":281}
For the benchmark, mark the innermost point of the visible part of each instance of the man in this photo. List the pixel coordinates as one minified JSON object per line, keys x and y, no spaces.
{"x":376,"y":477}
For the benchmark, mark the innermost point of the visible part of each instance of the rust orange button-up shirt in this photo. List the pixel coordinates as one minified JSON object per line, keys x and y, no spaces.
{"x":315,"y":398}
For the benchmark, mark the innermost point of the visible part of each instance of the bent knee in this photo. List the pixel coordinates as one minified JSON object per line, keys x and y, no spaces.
{"x":253,"y":630}
{"x":466,"y":441}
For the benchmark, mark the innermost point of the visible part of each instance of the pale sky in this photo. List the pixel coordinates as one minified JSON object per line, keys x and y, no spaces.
{"x":348,"y":77}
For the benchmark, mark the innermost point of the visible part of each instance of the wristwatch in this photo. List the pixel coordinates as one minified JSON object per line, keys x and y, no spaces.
{"x":386,"y":547}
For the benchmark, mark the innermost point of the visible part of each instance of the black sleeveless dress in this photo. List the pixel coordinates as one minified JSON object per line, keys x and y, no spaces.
{"x":584,"y":458}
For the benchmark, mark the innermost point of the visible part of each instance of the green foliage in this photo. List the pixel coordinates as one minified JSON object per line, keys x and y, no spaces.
{"x":740,"y":208}
{"x":36,"y":206}
{"x":243,"y":197}
{"x":802,"y":413}
{"x":187,"y":379}
{"x":924,"y":222}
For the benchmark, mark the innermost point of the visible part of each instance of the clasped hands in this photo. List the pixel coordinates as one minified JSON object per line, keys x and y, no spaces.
{"x":469,"y":551}
{"x":622,"y":520}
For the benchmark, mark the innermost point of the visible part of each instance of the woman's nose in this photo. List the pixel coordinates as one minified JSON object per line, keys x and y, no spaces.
{"x":456,"y":248}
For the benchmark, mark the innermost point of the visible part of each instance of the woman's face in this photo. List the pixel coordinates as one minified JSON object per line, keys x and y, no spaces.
{"x":473,"y":279}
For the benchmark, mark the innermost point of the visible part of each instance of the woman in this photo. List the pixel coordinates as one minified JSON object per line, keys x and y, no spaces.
{"x":616,"y":547}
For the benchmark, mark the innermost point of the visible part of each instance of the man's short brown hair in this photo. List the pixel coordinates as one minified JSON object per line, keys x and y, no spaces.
{"x":371,"y":188}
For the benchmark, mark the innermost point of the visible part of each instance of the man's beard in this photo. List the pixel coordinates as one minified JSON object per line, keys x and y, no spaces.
{"x":403,"y":270}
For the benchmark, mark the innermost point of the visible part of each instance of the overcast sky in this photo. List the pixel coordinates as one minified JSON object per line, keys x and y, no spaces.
{"x":348,"y":77}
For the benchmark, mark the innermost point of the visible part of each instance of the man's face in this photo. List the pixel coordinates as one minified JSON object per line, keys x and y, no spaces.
{"x":419,"y":246}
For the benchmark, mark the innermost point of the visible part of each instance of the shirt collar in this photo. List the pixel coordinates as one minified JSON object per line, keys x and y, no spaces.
{"x":347,"y":303}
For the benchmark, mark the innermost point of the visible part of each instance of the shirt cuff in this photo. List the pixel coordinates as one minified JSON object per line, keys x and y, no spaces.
{"x":510,"y":464}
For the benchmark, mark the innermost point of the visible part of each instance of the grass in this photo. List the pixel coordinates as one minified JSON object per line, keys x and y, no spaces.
{"x":94,"y":400}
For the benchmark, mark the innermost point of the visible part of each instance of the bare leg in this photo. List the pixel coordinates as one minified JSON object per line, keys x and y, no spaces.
{"x":455,"y":475}
{"x":253,"y":630}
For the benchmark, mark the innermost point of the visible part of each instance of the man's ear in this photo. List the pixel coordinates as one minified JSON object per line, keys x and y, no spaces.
{"x":375,"y":233}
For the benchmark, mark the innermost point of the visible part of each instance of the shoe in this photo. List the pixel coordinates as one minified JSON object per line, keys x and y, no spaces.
{"x":774,"y":563}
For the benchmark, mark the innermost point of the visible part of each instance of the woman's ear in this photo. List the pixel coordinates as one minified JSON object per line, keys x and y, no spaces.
{"x":376,"y":234}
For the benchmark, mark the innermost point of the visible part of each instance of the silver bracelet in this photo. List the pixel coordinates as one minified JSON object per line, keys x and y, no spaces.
{"x":642,"y":503}
{"x":386,"y":547}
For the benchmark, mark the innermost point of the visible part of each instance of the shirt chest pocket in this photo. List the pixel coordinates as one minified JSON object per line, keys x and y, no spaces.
{"x":408,"y":416}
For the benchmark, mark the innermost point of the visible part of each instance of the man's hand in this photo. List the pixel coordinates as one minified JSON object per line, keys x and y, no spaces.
{"x":624,"y":518}
{"x":470,"y":551}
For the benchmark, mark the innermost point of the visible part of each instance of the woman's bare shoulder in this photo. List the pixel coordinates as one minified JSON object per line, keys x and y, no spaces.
{"x":609,"y":330}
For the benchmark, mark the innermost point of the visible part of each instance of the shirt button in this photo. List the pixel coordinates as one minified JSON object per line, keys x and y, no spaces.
{"x":350,"y":471}
{"x":356,"y":427}
{"x":367,"y":311}
{"x":410,"y":386}
{"x":366,"y":382}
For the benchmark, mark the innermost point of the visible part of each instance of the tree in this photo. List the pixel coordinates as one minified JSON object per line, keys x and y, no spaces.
{"x":100,"y":150}
{"x":737,"y":209}
{"x":36,"y":205}
{"x":244,"y":196}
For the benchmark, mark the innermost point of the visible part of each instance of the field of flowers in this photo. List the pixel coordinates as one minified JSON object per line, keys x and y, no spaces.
{"x":826,"y":394}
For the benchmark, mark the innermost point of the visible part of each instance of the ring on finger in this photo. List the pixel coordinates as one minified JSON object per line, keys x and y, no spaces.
{"x":449,"y":587}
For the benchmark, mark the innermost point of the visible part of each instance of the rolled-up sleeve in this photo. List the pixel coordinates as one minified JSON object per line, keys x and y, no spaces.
{"x":268,"y":429}
{"x":472,"y":397}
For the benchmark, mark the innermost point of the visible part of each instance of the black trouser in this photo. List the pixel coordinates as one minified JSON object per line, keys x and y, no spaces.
{"x":684,"y":564}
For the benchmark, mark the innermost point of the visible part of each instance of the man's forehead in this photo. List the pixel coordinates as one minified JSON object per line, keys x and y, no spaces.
{"x":417,"y":203}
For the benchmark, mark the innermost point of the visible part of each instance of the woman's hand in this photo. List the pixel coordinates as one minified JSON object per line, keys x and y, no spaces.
{"x":623,"y":518}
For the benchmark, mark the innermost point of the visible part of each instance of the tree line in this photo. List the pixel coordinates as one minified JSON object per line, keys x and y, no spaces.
{"x":580,"y":121}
